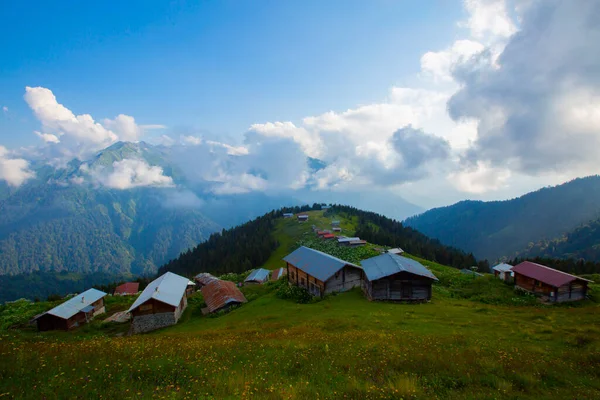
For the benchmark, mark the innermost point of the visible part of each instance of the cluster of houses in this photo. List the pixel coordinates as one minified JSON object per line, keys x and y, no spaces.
{"x":333,"y":234}
{"x":549,"y":284}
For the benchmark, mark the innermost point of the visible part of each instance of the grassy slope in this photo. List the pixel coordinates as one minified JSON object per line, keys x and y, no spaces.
{"x":456,"y":346}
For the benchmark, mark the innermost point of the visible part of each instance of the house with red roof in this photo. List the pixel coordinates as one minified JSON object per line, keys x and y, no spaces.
{"x":127,"y":289}
{"x":550,"y":284}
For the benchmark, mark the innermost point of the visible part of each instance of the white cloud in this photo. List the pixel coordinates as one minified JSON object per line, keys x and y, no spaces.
{"x":13,"y":171}
{"x":439,"y":65}
{"x":191,"y":140}
{"x":125,"y":128}
{"x":242,"y":183}
{"x":231,"y":150}
{"x":480,"y":178}
{"x":149,"y":127}
{"x":488,"y":18}
{"x":5,"y":109}
{"x":130,"y":173}
{"x":47,"y":137}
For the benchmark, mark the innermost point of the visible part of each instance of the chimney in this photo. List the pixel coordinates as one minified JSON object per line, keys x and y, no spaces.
{"x":82,"y":299}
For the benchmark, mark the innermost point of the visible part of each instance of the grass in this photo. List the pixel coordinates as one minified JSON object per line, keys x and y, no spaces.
{"x":472,"y":341}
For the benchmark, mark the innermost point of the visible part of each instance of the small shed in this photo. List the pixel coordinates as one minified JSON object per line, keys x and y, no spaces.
{"x":288,"y":215}
{"x":337,"y":229}
{"x":127,"y":289}
{"x":221,"y":295}
{"x":260,"y":275}
{"x":161,"y":303}
{"x":74,"y":312}
{"x":328,"y":236}
{"x":357,"y":243}
{"x":345,"y":241}
{"x":550,"y":284}
{"x":335,"y":223}
{"x":321,"y":273}
{"x":191,"y":288}
{"x":396,"y":250}
{"x":204,"y":278}
{"x":278,"y":273}
{"x":504,"y":272}
{"x":302,"y":217}
{"x":393,"y":277}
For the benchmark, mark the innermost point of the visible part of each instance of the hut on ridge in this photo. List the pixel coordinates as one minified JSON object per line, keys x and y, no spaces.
{"x":74,"y":312}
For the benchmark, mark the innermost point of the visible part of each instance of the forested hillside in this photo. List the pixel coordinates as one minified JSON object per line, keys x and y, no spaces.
{"x":250,"y":245}
{"x":582,"y":243}
{"x":502,"y":228}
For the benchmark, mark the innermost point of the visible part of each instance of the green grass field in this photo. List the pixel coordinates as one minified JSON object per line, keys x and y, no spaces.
{"x":476,"y":339}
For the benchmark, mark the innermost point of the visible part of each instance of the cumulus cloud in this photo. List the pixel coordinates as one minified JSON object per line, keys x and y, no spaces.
{"x":488,"y":18}
{"x":47,"y":137}
{"x":5,"y":109}
{"x":480,"y":178}
{"x":128,"y":174}
{"x":124,"y":127}
{"x":237,"y":184}
{"x":13,"y":171}
{"x":539,"y":110}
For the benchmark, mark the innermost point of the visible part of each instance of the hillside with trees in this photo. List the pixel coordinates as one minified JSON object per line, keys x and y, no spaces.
{"x":497,"y":229}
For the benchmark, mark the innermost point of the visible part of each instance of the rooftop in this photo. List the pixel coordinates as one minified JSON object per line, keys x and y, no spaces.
{"x":76,"y":304}
{"x":503,"y":267}
{"x":168,"y":288}
{"x":316,"y":263}
{"x":128,"y":288}
{"x":550,"y":276}
{"x":389,"y":264}
{"x":217,"y":294}
{"x":258,"y":275}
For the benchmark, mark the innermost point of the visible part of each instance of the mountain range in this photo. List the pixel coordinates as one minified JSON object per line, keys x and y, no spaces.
{"x":560,"y":221}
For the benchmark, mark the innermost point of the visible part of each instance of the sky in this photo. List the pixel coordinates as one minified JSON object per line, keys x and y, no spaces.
{"x":434,"y":101}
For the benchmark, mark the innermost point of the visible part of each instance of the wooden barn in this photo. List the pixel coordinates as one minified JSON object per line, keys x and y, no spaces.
{"x":393,"y":277}
{"x":191,"y":288}
{"x":288,"y":215}
{"x":550,"y":284}
{"x":320,"y":273}
{"x":74,"y":312}
{"x":504,"y":272}
{"x":221,"y":295}
{"x":259,"y":276}
{"x":127,"y":289}
{"x":302,"y":217}
{"x":160,"y":304}
{"x":345,"y":241}
{"x":278,"y":273}
{"x":204,"y":278}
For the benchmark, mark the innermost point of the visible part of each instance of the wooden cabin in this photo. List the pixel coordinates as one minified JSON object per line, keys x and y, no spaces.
{"x":302,"y":217}
{"x":550,"y":284}
{"x":504,"y":272}
{"x":345,"y":241}
{"x":278,"y":273}
{"x":259,"y":276}
{"x":321,"y":273}
{"x":191,"y":288}
{"x":288,"y":215}
{"x":127,"y":289}
{"x":160,"y":304}
{"x":221,"y":295}
{"x":74,"y":312}
{"x":393,"y":277}
{"x":204,"y":278}
{"x":395,"y":250}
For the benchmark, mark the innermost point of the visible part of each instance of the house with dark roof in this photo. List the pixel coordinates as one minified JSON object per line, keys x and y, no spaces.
{"x":550,"y":284}
{"x":321,"y":273}
{"x":393,"y":277}
{"x":278,"y":273}
{"x":160,"y":304}
{"x":204,"y":278}
{"x":221,"y":295}
{"x":288,"y":215}
{"x":302,"y":217}
{"x":127,"y":289}
{"x":260,"y":275}
{"x":74,"y":312}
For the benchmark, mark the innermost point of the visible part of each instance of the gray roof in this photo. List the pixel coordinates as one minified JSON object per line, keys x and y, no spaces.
{"x":503,"y":267}
{"x":316,"y":263}
{"x":168,"y":288}
{"x":347,"y":239}
{"x":76,"y":304}
{"x":260,"y":275}
{"x":396,"y":250}
{"x":389,"y":264}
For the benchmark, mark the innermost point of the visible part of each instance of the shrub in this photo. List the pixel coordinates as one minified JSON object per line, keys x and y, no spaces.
{"x":295,"y":293}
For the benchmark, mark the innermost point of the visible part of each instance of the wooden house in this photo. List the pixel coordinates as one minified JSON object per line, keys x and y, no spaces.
{"x":395,"y":250}
{"x":221,"y":295}
{"x":357,"y":243}
{"x":191,"y":288}
{"x":335,"y":223}
{"x":321,"y":273}
{"x":393,"y":277}
{"x":345,"y":241}
{"x":127,"y":289}
{"x":204,"y":278}
{"x":278,"y":273}
{"x":550,"y":284}
{"x":160,"y":304}
{"x":288,"y":215}
{"x":259,"y":276}
{"x":302,"y":217}
{"x":337,"y":229}
{"x":74,"y":312}
{"x":504,"y":272}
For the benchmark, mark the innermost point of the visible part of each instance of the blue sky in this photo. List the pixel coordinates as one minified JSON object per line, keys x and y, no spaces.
{"x":211,"y":66}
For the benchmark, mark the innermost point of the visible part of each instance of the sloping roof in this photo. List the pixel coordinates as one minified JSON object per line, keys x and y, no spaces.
{"x":75,"y":304}
{"x":278,"y":273}
{"x":503,"y":267}
{"x":128,"y":288}
{"x":328,"y":236}
{"x":389,"y":264}
{"x":217,"y":294}
{"x":303,"y":216}
{"x":258,"y":275}
{"x":205,"y":278}
{"x":168,"y":288}
{"x":396,"y":250}
{"x":316,"y":263}
{"x":347,"y":239}
{"x":550,"y":276}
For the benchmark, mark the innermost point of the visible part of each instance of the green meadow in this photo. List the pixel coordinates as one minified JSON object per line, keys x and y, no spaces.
{"x":476,"y":339}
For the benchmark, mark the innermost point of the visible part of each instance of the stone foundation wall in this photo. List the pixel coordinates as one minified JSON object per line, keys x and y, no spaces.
{"x":150,"y":322}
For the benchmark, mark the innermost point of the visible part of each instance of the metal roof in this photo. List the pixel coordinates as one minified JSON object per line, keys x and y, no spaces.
{"x":278,"y":273}
{"x":76,"y":304}
{"x":550,"y":276}
{"x":205,"y":278}
{"x":168,"y":288}
{"x":503,"y":267}
{"x":217,"y":294}
{"x":316,"y":263}
{"x":348,"y":239}
{"x":258,"y":275}
{"x":396,"y":250}
{"x":389,"y":264}
{"x":128,"y":288}
{"x":87,"y":309}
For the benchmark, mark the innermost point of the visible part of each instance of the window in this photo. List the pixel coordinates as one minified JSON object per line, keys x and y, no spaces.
{"x":303,"y":282}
